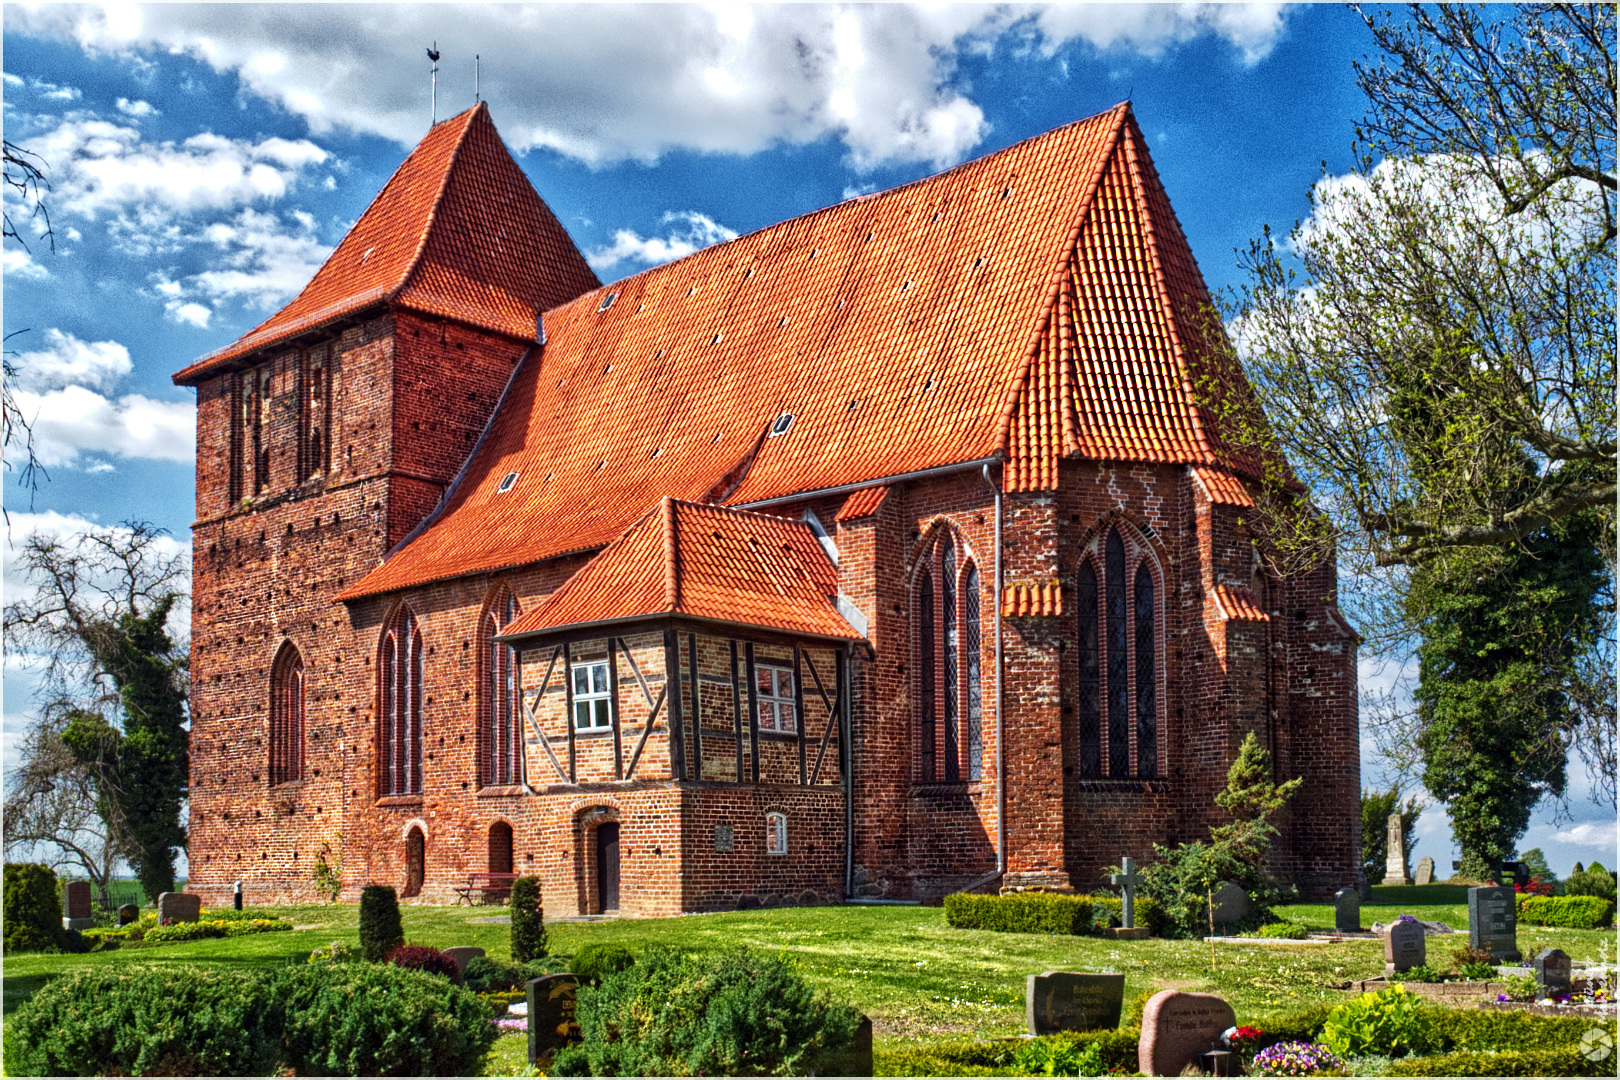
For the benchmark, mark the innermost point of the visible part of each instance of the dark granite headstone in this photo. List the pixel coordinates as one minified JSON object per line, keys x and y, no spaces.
{"x":1231,"y":902}
{"x":1552,"y":971}
{"x":1493,"y":921}
{"x":551,"y":1016}
{"x":461,"y":954}
{"x":1177,"y":1027}
{"x":1072,"y":1001}
{"x":128,"y":914}
{"x":856,"y":1058}
{"x":1425,"y":871}
{"x":1405,"y":946}
{"x":176,"y":907}
{"x":1347,"y":911}
{"x":78,"y":899}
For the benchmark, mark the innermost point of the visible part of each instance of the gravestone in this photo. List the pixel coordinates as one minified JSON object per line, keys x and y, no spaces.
{"x":1177,"y":1027}
{"x":856,"y":1058}
{"x":78,"y":907}
{"x":1395,"y":861}
{"x":178,"y":907}
{"x":723,"y":838}
{"x":1347,"y":911}
{"x":1552,"y":971}
{"x":1405,"y":946}
{"x":461,"y":954}
{"x":1425,"y":871}
{"x":1231,"y":903}
{"x":551,"y":1016}
{"x":128,"y":914}
{"x":1493,"y":921}
{"x":1127,"y":880}
{"x":1072,"y":1001}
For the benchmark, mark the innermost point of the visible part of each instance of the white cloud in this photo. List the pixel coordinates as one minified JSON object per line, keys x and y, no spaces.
{"x":137,"y":109}
{"x":1597,"y":834}
{"x":189,"y":312}
{"x":75,"y":420}
{"x":691,"y":232}
{"x":620,"y":82}
{"x":18,"y":263}
{"x":66,"y":361}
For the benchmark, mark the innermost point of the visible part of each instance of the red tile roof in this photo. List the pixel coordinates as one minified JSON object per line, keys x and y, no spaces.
{"x":1238,"y":602}
{"x":1028,"y":305}
{"x":1223,"y":487}
{"x":707,"y":562}
{"x":458,"y":231}
{"x":863,"y":503}
{"x":1022,"y":599}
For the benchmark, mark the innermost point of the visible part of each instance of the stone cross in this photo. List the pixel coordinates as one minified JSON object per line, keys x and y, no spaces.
{"x":1127,"y":882}
{"x":1395,"y":861}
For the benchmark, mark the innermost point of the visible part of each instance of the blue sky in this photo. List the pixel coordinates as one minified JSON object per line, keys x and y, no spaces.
{"x":205,"y":159}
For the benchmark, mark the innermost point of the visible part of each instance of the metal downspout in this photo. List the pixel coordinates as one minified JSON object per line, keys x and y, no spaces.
{"x":847,"y":723}
{"x":1001,"y":746}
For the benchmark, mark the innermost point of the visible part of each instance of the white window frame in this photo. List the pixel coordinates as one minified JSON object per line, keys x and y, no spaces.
{"x":774,"y":702}
{"x":597,"y":703}
{"x":776,"y":840}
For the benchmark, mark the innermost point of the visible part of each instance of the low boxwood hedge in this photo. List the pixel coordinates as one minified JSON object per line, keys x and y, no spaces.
{"x":1118,"y":1050}
{"x":1569,"y":912}
{"x":1563,"y":1062}
{"x":1460,"y":1030}
{"x":1024,"y":913}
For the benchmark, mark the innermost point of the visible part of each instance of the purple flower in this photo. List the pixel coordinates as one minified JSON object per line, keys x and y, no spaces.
{"x":1406,"y":918}
{"x":1295,"y":1059}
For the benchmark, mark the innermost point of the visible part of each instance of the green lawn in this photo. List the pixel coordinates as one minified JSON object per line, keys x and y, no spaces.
{"x":916,"y":977}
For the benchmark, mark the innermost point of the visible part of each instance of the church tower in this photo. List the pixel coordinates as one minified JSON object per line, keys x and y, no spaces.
{"x":324,"y":436}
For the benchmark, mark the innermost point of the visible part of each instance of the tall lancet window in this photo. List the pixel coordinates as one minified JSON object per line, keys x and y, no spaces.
{"x":1090,"y":675}
{"x":1119,"y":692}
{"x":399,"y":675}
{"x":1147,"y":743}
{"x":927,"y":696}
{"x":948,"y":628}
{"x":500,"y":710}
{"x":287,"y":716}
{"x":972,"y":653}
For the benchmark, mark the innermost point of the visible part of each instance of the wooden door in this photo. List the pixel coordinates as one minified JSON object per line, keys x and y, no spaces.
{"x":415,"y":861}
{"x":607,"y":866}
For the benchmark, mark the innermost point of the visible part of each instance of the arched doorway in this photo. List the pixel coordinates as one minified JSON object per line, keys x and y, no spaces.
{"x":500,"y":848}
{"x":415,"y":861}
{"x":607,"y":867}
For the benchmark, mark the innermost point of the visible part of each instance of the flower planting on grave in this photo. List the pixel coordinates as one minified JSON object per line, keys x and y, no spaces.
{"x":1297,"y":1059}
{"x":738,"y":1013}
{"x":1388,"y":1022}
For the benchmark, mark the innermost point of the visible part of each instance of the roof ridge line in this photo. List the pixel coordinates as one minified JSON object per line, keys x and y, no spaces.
{"x":438,"y":200}
{"x":1151,"y":240}
{"x":1065,"y":258}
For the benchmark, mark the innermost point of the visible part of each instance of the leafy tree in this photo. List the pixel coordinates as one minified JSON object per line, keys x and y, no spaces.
{"x":97,"y":621}
{"x":1376,"y":808}
{"x":1501,"y":631}
{"x":1536,"y":862}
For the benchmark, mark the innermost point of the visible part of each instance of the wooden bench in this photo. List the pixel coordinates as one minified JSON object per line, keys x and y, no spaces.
{"x":489,"y":887}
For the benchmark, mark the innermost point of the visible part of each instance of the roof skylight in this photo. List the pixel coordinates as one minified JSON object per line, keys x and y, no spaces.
{"x":607,"y":301}
{"x":782,"y":424}
{"x":507,"y":483}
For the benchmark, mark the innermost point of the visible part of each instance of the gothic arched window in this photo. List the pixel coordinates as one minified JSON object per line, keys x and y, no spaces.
{"x":925,"y":673}
{"x":399,"y":678}
{"x":287,"y":716}
{"x":950,"y":675}
{"x":1117,"y":628}
{"x":953,"y":650}
{"x":500,"y":740}
{"x":975,"y":672}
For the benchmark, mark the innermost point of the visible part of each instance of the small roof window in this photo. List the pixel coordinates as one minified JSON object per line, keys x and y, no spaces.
{"x":607,"y":301}
{"x":782,"y":424}
{"x":507,"y":483}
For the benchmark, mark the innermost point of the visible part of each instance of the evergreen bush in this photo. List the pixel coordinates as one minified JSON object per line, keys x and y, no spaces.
{"x":380,"y":927}
{"x":380,"y":1020}
{"x":1593,"y":881}
{"x":1117,"y":1049}
{"x":594,"y":963}
{"x":1389,"y":1022}
{"x":1110,"y":912}
{"x":32,"y":908}
{"x":487,"y":974}
{"x":164,"y":1021}
{"x":1581,"y":912}
{"x":1562,"y":1062}
{"x":528,"y":920}
{"x":422,"y":958}
{"x":734,"y":1014}
{"x":1024,"y":913}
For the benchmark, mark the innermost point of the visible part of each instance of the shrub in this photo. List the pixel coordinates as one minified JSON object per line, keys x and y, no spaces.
{"x":1303,"y":1026}
{"x":135,"y":1020}
{"x":1027,"y":913}
{"x":1483,"y":1030}
{"x":1475,"y":971}
{"x":1389,"y":1022}
{"x":32,"y":908}
{"x":594,"y":963}
{"x":1564,"y":1062}
{"x":1297,"y":1059}
{"x":1283,"y":930}
{"x":1535,"y":887}
{"x":185,"y":931}
{"x":1593,"y":881}
{"x":1581,"y":912}
{"x":1117,"y":1049}
{"x":1423,"y":973}
{"x":380,"y":1020}
{"x":486,"y":974}
{"x":422,"y":958}
{"x":736,"y":1014}
{"x":528,"y":920}
{"x":1059,"y":1057}
{"x":336,"y":953}
{"x":1110,"y":912}
{"x":380,"y":928}
{"x":1522,"y":988}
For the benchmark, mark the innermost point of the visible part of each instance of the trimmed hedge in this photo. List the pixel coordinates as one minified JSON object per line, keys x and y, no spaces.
{"x":1022,"y":913}
{"x":212,"y":928}
{"x":1117,"y":1047}
{"x":1460,"y":1030}
{"x":1565,"y":1062}
{"x":1569,"y":912}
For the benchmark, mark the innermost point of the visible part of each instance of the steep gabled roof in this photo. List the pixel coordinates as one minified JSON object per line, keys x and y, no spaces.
{"x":702,"y":562}
{"x":458,"y":231}
{"x":1037,"y":303}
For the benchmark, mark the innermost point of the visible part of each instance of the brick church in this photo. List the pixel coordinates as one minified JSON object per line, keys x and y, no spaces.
{"x":881,"y":553}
